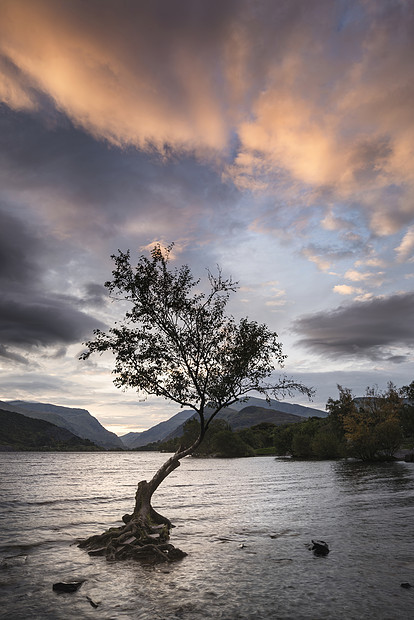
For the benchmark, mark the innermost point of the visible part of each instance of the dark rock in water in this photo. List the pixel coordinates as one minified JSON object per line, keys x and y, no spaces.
{"x":406,"y":585}
{"x":319,"y":547}
{"x":176,"y":554}
{"x":409,"y":457}
{"x":70,"y":586}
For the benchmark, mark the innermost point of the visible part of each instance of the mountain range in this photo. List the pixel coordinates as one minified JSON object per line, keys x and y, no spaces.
{"x":240,"y":415}
{"x":78,"y":421}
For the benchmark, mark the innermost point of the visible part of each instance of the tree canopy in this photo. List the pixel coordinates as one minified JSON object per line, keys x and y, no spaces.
{"x":176,"y":340}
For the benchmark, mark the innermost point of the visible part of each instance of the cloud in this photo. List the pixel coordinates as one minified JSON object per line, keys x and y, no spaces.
{"x":43,"y":321}
{"x":373,"y":261}
{"x":86,"y":192}
{"x":345,"y":289}
{"x":370,"y":329}
{"x":275,"y":303}
{"x":254,"y":134}
{"x":321,"y":261}
{"x":96,"y":295}
{"x":129,"y":76}
{"x":18,"y":246}
{"x":368,"y":277}
{"x":345,"y":134}
{"x":12,"y":356}
{"x":324,"y":257}
{"x":269,"y":110}
{"x":405,"y":250}
{"x":332,"y":221}
{"x":31,"y":313}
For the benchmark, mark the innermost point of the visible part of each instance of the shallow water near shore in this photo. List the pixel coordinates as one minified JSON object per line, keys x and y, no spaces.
{"x":245,"y":524}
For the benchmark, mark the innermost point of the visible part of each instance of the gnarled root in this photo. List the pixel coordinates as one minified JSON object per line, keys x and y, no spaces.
{"x":143,"y":537}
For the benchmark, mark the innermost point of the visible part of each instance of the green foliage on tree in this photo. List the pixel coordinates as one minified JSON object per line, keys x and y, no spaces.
{"x":326,"y":444}
{"x":259,"y":437}
{"x":314,"y":438}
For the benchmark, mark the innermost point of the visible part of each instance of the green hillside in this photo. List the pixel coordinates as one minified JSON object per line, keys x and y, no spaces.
{"x":252,"y":415}
{"x":18,"y":432}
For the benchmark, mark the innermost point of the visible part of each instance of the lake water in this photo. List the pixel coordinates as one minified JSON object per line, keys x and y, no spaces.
{"x":245,"y":524}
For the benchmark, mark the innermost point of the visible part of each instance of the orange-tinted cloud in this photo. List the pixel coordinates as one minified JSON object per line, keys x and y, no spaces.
{"x":289,"y":91}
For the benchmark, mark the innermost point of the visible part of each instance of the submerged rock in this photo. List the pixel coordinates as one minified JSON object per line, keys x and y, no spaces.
{"x":67,"y":586}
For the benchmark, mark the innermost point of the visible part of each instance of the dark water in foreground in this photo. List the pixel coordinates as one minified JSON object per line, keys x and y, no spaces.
{"x":272,"y":507}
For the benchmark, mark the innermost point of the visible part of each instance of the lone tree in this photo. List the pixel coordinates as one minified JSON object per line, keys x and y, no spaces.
{"x":176,"y":341}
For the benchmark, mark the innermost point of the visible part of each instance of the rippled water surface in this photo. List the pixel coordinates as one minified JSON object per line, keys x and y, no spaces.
{"x":245,"y":524}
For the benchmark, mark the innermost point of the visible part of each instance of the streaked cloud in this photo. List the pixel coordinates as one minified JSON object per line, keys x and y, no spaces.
{"x":379,"y":329}
{"x":326,"y":115}
{"x":405,"y":251}
{"x":368,"y":277}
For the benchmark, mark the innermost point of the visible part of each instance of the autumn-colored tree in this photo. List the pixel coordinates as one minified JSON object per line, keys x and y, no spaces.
{"x":372,"y":423}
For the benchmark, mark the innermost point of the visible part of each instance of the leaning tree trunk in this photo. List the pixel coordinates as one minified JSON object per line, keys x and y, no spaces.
{"x":145,"y":533}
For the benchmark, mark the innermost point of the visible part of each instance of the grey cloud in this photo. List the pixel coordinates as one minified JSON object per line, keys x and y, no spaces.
{"x":30,"y":316}
{"x":369,"y":158}
{"x":362,"y":329}
{"x":100,"y":191}
{"x":330,"y":253}
{"x":95,"y":295}
{"x":12,"y":356}
{"x":43,"y":321}
{"x":21,"y":384}
{"x":18,"y":247}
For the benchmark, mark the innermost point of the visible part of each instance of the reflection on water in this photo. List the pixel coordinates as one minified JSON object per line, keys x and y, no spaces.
{"x":245,"y":523}
{"x":357,"y":472}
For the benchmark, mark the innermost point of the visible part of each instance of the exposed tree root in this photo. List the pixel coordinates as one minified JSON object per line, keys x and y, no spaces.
{"x":143,"y":537}
{"x":135,"y":540}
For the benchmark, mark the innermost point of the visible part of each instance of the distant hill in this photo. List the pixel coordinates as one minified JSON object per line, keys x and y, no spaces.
{"x":19,"y":432}
{"x":251,"y":415}
{"x":247,"y":417}
{"x":78,"y":421}
{"x":239,"y":415}
{"x":277,"y":405}
{"x":129,"y":438}
{"x":159,"y":432}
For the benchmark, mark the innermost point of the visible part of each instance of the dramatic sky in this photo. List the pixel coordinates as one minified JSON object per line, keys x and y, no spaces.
{"x":272,"y":137}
